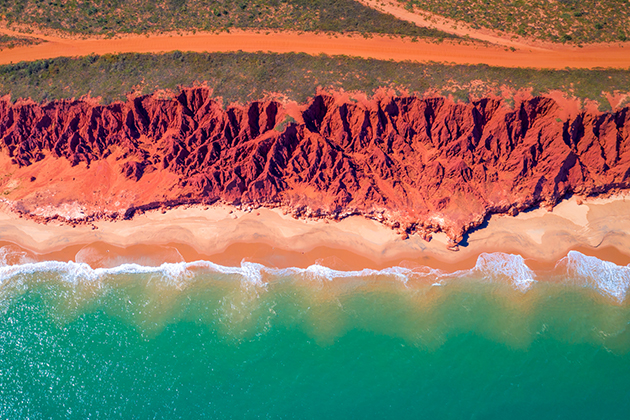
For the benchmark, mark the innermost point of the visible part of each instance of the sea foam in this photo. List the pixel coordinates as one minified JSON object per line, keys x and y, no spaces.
{"x":492,"y":265}
{"x":499,"y":266}
{"x":609,"y":278}
{"x":578,"y":269}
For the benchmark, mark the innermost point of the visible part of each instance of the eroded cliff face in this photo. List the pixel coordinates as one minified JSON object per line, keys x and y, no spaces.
{"x":419,"y":165}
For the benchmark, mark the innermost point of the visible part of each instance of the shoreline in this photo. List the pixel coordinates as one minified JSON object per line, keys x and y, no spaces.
{"x":225,"y":235}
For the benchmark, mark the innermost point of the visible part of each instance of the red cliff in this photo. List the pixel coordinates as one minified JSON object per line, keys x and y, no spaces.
{"x":419,"y":165}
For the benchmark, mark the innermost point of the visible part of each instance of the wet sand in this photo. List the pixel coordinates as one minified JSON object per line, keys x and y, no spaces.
{"x":379,"y":47}
{"x":227,"y":236}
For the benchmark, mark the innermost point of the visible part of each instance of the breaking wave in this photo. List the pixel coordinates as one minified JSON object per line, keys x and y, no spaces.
{"x":609,"y":278}
{"x":499,"y":266}
{"x":575,"y":269}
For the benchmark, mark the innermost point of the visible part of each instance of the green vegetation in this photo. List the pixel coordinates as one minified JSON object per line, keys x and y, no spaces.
{"x":244,"y":77}
{"x":283,"y":124}
{"x":7,"y":41}
{"x":575,"y":21}
{"x":108,"y":17}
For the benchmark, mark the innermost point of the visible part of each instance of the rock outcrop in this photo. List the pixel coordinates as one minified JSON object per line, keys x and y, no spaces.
{"x":419,"y":165}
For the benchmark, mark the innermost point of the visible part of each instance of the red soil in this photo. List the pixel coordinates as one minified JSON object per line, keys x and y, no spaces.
{"x":419,"y":165}
{"x":378,"y":47}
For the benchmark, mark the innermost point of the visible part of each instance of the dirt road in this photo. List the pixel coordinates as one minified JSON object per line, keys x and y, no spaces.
{"x":451,"y":26}
{"x":379,"y":47}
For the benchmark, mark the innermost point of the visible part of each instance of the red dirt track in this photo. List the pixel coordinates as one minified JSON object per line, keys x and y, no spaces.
{"x":378,"y":47}
{"x":418,"y":165}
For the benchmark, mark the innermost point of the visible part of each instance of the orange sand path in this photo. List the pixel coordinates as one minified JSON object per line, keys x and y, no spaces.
{"x":430,"y":20}
{"x":378,"y":47}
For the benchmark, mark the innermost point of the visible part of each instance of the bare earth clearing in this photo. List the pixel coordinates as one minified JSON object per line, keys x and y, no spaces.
{"x":378,"y":47}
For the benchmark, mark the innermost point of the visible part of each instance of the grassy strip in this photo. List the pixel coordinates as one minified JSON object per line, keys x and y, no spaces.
{"x":574,"y":21}
{"x":107,"y":17}
{"x":242,"y":77}
{"x":9,"y":42}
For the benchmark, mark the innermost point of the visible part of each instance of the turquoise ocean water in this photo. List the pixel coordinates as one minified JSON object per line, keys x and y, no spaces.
{"x":199,"y":340}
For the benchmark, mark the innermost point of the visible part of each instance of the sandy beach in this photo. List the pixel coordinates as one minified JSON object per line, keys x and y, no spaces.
{"x":227,"y":235}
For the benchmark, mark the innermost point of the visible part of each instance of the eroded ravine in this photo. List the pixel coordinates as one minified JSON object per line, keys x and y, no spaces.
{"x":418,"y":165}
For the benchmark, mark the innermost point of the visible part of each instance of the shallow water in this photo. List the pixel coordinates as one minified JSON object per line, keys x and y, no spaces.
{"x":199,"y":340}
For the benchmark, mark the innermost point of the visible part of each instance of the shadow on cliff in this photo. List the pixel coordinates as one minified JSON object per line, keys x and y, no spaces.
{"x":403,"y":160}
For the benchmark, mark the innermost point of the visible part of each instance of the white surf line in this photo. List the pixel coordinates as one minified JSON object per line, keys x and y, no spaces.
{"x":451,"y":26}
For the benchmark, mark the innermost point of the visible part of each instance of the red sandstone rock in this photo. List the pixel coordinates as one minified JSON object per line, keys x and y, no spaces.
{"x":420,"y":165}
